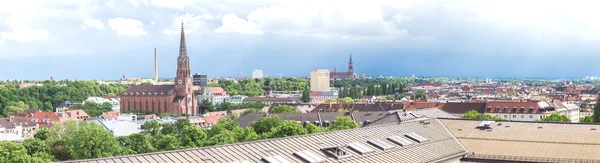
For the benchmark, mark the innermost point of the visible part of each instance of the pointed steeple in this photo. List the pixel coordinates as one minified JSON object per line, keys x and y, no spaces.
{"x":350,"y":65}
{"x":182,"y":47}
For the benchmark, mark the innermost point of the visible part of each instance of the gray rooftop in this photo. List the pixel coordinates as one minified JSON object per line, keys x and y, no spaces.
{"x":440,"y":145}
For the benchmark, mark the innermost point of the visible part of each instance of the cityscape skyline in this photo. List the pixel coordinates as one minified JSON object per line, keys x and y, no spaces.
{"x":105,"y":40}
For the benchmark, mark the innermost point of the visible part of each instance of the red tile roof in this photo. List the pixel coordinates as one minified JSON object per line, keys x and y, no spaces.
{"x":513,"y":107}
{"x":212,"y":119}
{"x":420,"y":105}
{"x":110,"y":115}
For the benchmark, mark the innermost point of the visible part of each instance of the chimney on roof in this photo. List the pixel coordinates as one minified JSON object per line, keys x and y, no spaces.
{"x":10,"y":118}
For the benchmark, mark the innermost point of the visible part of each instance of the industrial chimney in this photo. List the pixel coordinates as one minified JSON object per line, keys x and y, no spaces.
{"x":155,"y":67}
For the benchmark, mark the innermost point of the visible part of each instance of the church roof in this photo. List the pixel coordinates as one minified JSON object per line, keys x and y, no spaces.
{"x":151,"y":88}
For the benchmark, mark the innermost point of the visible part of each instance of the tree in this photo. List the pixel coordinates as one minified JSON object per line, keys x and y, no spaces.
{"x":42,"y":134}
{"x":313,"y":129}
{"x":343,"y":123}
{"x":284,"y":109}
{"x":192,"y":136}
{"x":252,"y":111}
{"x":420,"y":95}
{"x":13,"y":152}
{"x":586,"y":119}
{"x":226,"y":126}
{"x":166,"y":142}
{"x":306,"y":95}
{"x":556,"y":117}
{"x":151,"y":127}
{"x":383,"y":99}
{"x":225,"y":137}
{"x":146,"y":83}
{"x":346,"y":100}
{"x":35,"y":146}
{"x":15,"y":108}
{"x":264,"y":124}
{"x":596,"y":114}
{"x":250,"y":135}
{"x":93,"y":109}
{"x":90,"y":140}
{"x":342,"y":110}
{"x":288,"y":128}
{"x":136,"y":143}
{"x":473,"y":114}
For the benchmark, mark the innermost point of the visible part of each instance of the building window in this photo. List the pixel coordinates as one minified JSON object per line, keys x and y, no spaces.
{"x":135,"y":105}
{"x":165,"y":104}
{"x":505,"y":116}
{"x":158,"y":107}
{"x":506,"y":109}
{"x":153,"y":106}
{"x":497,"y":109}
{"x":530,"y":110}
{"x":147,"y":105}
{"x":522,"y":110}
{"x":522,"y":116}
{"x":514,"y":109}
{"x":531,"y":116}
{"x":514,"y":116}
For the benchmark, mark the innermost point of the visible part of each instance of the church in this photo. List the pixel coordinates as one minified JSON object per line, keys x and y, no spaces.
{"x":175,"y":99}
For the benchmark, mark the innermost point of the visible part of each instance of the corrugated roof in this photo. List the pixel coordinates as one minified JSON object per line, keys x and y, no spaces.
{"x":442,"y":146}
{"x":519,"y":141}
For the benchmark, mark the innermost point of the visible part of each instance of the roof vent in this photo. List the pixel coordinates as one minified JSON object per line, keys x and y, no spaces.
{"x":593,"y":129}
{"x":540,"y":127}
{"x":460,"y":129}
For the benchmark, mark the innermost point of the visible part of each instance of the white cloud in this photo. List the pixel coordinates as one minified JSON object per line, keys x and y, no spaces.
{"x":234,"y":24}
{"x":176,"y":4}
{"x":22,"y":32}
{"x":399,"y":18}
{"x":327,"y":19}
{"x":192,"y":24}
{"x":127,"y":27}
{"x":93,"y":23}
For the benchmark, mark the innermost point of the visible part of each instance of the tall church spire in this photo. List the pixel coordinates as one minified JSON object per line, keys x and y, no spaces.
{"x":182,"y":47}
{"x":350,"y":65}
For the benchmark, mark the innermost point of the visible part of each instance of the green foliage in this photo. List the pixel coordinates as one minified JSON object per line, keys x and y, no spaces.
{"x":264,"y":124}
{"x":13,"y":152}
{"x":586,"y":119}
{"x":93,"y":109}
{"x":420,"y":95}
{"x":343,"y":123}
{"x":17,"y":107}
{"x":252,"y":111}
{"x":42,"y":134}
{"x":246,"y":105}
{"x":192,"y":136}
{"x":136,"y":144}
{"x":342,"y":110}
{"x":90,"y":140}
{"x":175,"y":128}
{"x":49,"y":95}
{"x":287,"y":128}
{"x":259,"y":87}
{"x":151,"y":127}
{"x":249,"y":135}
{"x":313,"y":129}
{"x":166,"y":142}
{"x":284,"y":109}
{"x":473,"y":114}
{"x":596,"y":114}
{"x":36,"y":146}
{"x":556,"y":117}
{"x":226,"y":126}
{"x":306,"y":95}
{"x":225,"y":137}
{"x":206,"y":106}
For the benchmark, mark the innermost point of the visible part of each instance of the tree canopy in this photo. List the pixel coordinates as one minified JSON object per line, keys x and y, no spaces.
{"x":596,"y":114}
{"x":51,"y":94}
{"x":259,"y":87}
{"x":343,"y":123}
{"x":473,"y":114}
{"x":556,"y":117}
{"x":284,"y":109}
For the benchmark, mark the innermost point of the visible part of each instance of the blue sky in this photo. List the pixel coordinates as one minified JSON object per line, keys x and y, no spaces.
{"x":105,"y":39}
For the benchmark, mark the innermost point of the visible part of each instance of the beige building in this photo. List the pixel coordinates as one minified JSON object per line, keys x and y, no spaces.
{"x":319,"y":80}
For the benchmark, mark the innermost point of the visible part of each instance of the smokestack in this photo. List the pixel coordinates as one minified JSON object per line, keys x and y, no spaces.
{"x":155,"y":67}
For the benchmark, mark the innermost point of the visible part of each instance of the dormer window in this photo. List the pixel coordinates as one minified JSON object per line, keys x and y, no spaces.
{"x":530,"y":109}
{"x":514,"y":110}
{"x":522,"y":110}
{"x":505,"y":109}
{"x":497,"y":109}
{"x":489,"y":109}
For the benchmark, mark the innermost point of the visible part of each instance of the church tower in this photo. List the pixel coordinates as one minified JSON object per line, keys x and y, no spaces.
{"x":183,"y":80}
{"x":350,"y":66}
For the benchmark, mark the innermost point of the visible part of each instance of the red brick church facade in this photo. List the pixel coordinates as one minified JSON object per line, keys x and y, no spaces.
{"x":175,"y":99}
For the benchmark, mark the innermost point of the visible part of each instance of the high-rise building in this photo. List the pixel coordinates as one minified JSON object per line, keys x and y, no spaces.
{"x":257,"y":74}
{"x":319,"y":80}
{"x":199,"y":80}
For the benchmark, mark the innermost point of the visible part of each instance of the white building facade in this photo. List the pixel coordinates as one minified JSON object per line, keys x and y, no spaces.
{"x":257,"y":74}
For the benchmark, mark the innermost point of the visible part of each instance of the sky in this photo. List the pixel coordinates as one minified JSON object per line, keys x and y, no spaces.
{"x":106,"y":39}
